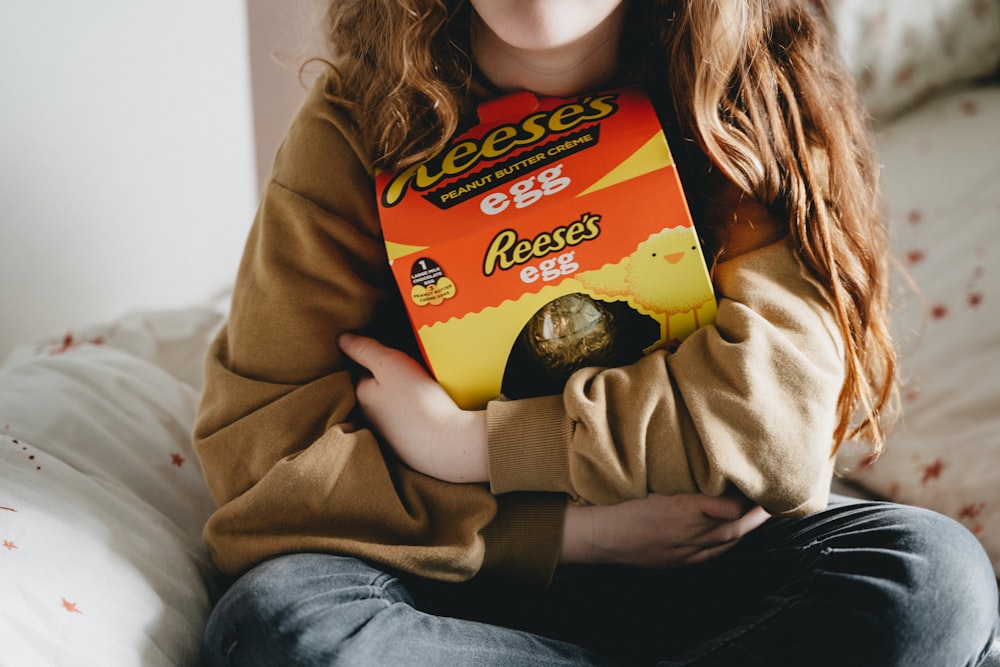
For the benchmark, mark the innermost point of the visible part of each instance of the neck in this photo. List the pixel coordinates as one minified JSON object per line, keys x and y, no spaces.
{"x":586,"y":64}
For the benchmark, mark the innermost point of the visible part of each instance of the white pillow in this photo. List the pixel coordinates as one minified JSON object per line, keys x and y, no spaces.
{"x":901,"y":51}
{"x":102,"y":501}
{"x":942,"y":182}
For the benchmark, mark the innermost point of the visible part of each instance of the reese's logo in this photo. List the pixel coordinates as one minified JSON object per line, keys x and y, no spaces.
{"x":508,"y":250}
{"x":465,"y":155}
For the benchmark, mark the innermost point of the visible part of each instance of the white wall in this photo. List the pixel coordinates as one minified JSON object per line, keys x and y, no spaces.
{"x":282,"y":34}
{"x":127,"y":164}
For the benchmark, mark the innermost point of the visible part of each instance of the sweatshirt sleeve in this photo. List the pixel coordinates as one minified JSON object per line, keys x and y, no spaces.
{"x":287,"y":462}
{"x":747,"y":403}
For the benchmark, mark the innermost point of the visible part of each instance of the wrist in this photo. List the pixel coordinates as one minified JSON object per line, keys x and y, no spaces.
{"x":469,"y":449}
{"x":578,"y":535}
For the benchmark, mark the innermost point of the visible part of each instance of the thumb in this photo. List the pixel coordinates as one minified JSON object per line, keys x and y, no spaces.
{"x":366,"y":352}
{"x":726,"y":507}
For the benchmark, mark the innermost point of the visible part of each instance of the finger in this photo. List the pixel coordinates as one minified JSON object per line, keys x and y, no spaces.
{"x":726,"y":507}
{"x":709,"y":553}
{"x":703,"y":551}
{"x":733,"y":531}
{"x":754,"y":518}
{"x":353,"y":346}
{"x":370,"y":354}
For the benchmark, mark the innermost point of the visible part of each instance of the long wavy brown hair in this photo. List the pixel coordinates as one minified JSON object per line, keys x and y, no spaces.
{"x":759,"y":85}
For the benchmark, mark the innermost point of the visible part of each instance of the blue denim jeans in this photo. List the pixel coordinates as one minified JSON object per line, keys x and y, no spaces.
{"x":858,"y":584}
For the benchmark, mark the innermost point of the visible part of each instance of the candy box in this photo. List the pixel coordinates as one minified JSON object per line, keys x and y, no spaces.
{"x":552,"y":235}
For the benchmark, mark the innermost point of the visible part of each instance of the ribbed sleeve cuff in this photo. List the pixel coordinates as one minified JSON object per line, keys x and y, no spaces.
{"x":525,"y":538}
{"x":528,"y":442}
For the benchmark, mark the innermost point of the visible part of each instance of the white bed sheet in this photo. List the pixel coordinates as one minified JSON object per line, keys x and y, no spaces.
{"x":101,"y":498}
{"x":941,"y":166}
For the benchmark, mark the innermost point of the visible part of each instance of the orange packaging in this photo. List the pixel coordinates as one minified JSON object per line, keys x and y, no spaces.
{"x":545,"y":198}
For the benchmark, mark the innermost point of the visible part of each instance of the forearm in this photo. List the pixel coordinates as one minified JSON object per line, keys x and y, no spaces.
{"x":453,"y":449}
{"x":657,"y":531}
{"x":748,"y":402}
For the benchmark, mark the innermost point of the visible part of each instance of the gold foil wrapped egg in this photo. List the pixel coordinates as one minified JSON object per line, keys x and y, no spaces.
{"x":571,"y":332}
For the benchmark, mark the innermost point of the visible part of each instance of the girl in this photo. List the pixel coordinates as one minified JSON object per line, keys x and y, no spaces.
{"x":625,"y":521}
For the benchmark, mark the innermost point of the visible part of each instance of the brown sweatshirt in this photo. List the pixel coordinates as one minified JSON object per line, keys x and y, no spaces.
{"x":746,"y":404}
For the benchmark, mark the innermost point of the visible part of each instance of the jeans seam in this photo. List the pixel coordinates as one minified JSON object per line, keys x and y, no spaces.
{"x":391,"y":589}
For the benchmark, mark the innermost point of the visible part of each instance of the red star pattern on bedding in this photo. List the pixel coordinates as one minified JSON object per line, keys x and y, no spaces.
{"x":932,"y":471}
{"x":945,"y":230}
{"x":28,"y":458}
{"x":101,"y":498}
{"x":70,"y":606}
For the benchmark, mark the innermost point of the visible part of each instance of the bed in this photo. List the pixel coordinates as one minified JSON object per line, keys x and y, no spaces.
{"x":102,"y":500}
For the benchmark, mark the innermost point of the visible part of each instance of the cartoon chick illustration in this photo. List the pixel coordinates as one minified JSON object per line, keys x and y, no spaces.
{"x":665,"y":276}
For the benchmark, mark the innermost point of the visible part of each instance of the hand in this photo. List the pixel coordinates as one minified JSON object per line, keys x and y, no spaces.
{"x":658,"y":531}
{"x":415,"y":415}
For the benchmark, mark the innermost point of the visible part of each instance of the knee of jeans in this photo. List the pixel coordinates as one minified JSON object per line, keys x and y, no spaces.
{"x":925,"y":584}
{"x":279,"y":607}
{"x":959,"y":575}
